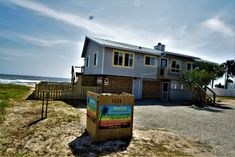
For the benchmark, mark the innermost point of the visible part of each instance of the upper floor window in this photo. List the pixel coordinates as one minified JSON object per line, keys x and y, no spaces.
{"x":123,"y":59}
{"x":189,"y":66}
{"x":149,"y":60}
{"x":175,"y":66}
{"x":95,"y":58}
{"x":87,"y":61}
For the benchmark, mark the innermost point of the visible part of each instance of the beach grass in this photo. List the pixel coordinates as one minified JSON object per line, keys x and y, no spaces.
{"x":223,"y":98}
{"x":9,"y":92}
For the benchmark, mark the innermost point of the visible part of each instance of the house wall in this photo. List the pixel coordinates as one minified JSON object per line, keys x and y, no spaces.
{"x":89,"y":80}
{"x":136,"y":71}
{"x":151,"y":89}
{"x":91,"y":49}
{"x":117,"y":85}
{"x":179,"y":91}
{"x":178,"y":94}
{"x":183,"y":65}
{"x":183,"y":69}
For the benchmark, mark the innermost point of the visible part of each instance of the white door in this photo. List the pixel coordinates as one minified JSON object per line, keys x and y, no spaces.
{"x":137,"y":88}
{"x":165,"y":91}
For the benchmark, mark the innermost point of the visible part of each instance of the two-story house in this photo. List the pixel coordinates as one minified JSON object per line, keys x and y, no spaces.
{"x":144,"y":72}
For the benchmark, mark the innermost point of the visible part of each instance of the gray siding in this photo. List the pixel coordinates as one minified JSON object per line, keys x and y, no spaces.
{"x":183,"y":65}
{"x":91,"y":49}
{"x":178,"y":94}
{"x":138,"y":70}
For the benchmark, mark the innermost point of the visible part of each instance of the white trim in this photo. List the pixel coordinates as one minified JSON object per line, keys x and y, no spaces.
{"x":102,"y":68}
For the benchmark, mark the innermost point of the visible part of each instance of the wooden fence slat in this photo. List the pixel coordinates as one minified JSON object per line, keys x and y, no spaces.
{"x":62,"y":91}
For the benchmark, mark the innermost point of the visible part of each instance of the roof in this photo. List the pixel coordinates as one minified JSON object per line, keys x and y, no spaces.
{"x":121,"y":46}
{"x":129,"y":47}
{"x":207,"y":61}
{"x":181,"y":55}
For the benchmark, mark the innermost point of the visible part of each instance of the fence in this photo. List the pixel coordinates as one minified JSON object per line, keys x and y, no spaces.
{"x":63,"y":91}
{"x":224,"y":92}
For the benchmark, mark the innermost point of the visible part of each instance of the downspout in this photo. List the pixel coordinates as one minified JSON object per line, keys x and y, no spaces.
{"x":102,"y":68}
{"x":142,"y":76}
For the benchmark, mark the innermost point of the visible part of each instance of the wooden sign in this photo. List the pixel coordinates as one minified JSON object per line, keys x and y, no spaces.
{"x":114,"y":116}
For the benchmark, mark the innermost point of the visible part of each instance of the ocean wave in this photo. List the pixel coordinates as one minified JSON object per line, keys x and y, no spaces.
{"x":19,"y":81}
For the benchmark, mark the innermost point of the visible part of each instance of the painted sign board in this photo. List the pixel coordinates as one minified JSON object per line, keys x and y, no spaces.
{"x":115,"y":116}
{"x":91,"y":108}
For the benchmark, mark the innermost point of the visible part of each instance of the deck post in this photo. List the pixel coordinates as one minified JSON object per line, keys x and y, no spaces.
{"x":47,"y":97}
{"x":102,"y":87}
{"x":42,"y":104}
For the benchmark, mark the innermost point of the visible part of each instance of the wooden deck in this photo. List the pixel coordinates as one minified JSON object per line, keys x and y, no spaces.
{"x":63,"y":91}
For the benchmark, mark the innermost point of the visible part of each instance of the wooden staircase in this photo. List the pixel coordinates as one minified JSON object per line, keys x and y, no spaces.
{"x":200,"y":96}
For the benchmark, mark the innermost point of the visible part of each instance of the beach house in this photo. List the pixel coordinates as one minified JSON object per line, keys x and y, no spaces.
{"x":144,"y":72}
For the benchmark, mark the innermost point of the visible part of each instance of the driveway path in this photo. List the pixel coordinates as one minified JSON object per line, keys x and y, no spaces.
{"x":214,"y":127}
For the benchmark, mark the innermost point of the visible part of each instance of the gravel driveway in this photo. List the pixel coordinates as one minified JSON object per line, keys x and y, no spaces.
{"x":214,"y":127}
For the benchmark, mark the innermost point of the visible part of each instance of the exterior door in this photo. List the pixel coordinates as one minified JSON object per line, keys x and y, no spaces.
{"x":163,"y":63}
{"x":165,"y":91}
{"x":137,"y":88}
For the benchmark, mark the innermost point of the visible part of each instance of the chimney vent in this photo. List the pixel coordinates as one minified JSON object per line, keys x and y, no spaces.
{"x":160,"y":47}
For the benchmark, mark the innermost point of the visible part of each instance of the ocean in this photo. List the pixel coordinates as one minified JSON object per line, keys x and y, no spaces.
{"x":28,"y":80}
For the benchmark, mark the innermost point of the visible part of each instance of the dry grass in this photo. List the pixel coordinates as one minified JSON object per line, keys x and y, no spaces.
{"x":60,"y":135}
{"x":222,"y":98}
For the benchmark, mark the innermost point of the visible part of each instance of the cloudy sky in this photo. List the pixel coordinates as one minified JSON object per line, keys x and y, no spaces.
{"x":45,"y":37}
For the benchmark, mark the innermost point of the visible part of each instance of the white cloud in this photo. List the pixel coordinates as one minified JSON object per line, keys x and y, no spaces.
{"x":37,"y":41}
{"x":217,"y":25}
{"x":102,"y":30}
{"x":6,"y":58}
{"x":44,"y":42}
{"x":132,"y":35}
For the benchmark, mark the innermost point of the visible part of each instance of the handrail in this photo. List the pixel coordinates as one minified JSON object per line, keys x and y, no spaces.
{"x":201,"y":89}
{"x":214,"y":95}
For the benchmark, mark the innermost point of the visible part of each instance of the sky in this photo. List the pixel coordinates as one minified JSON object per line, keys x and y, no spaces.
{"x":46,"y":37}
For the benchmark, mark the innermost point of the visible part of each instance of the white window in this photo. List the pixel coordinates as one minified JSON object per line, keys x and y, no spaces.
{"x":177,"y":85}
{"x":123,"y":59}
{"x":87,"y":61}
{"x":149,"y":60}
{"x":175,"y":66}
{"x":95,"y":58}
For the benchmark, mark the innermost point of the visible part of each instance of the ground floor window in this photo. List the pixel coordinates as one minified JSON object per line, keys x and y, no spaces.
{"x":177,"y":85}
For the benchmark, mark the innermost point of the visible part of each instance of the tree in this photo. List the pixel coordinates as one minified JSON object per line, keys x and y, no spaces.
{"x":229,"y":67}
{"x":201,"y":77}
{"x":214,"y":70}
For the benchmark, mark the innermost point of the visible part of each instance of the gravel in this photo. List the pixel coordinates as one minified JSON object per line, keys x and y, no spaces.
{"x":213,"y":127}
